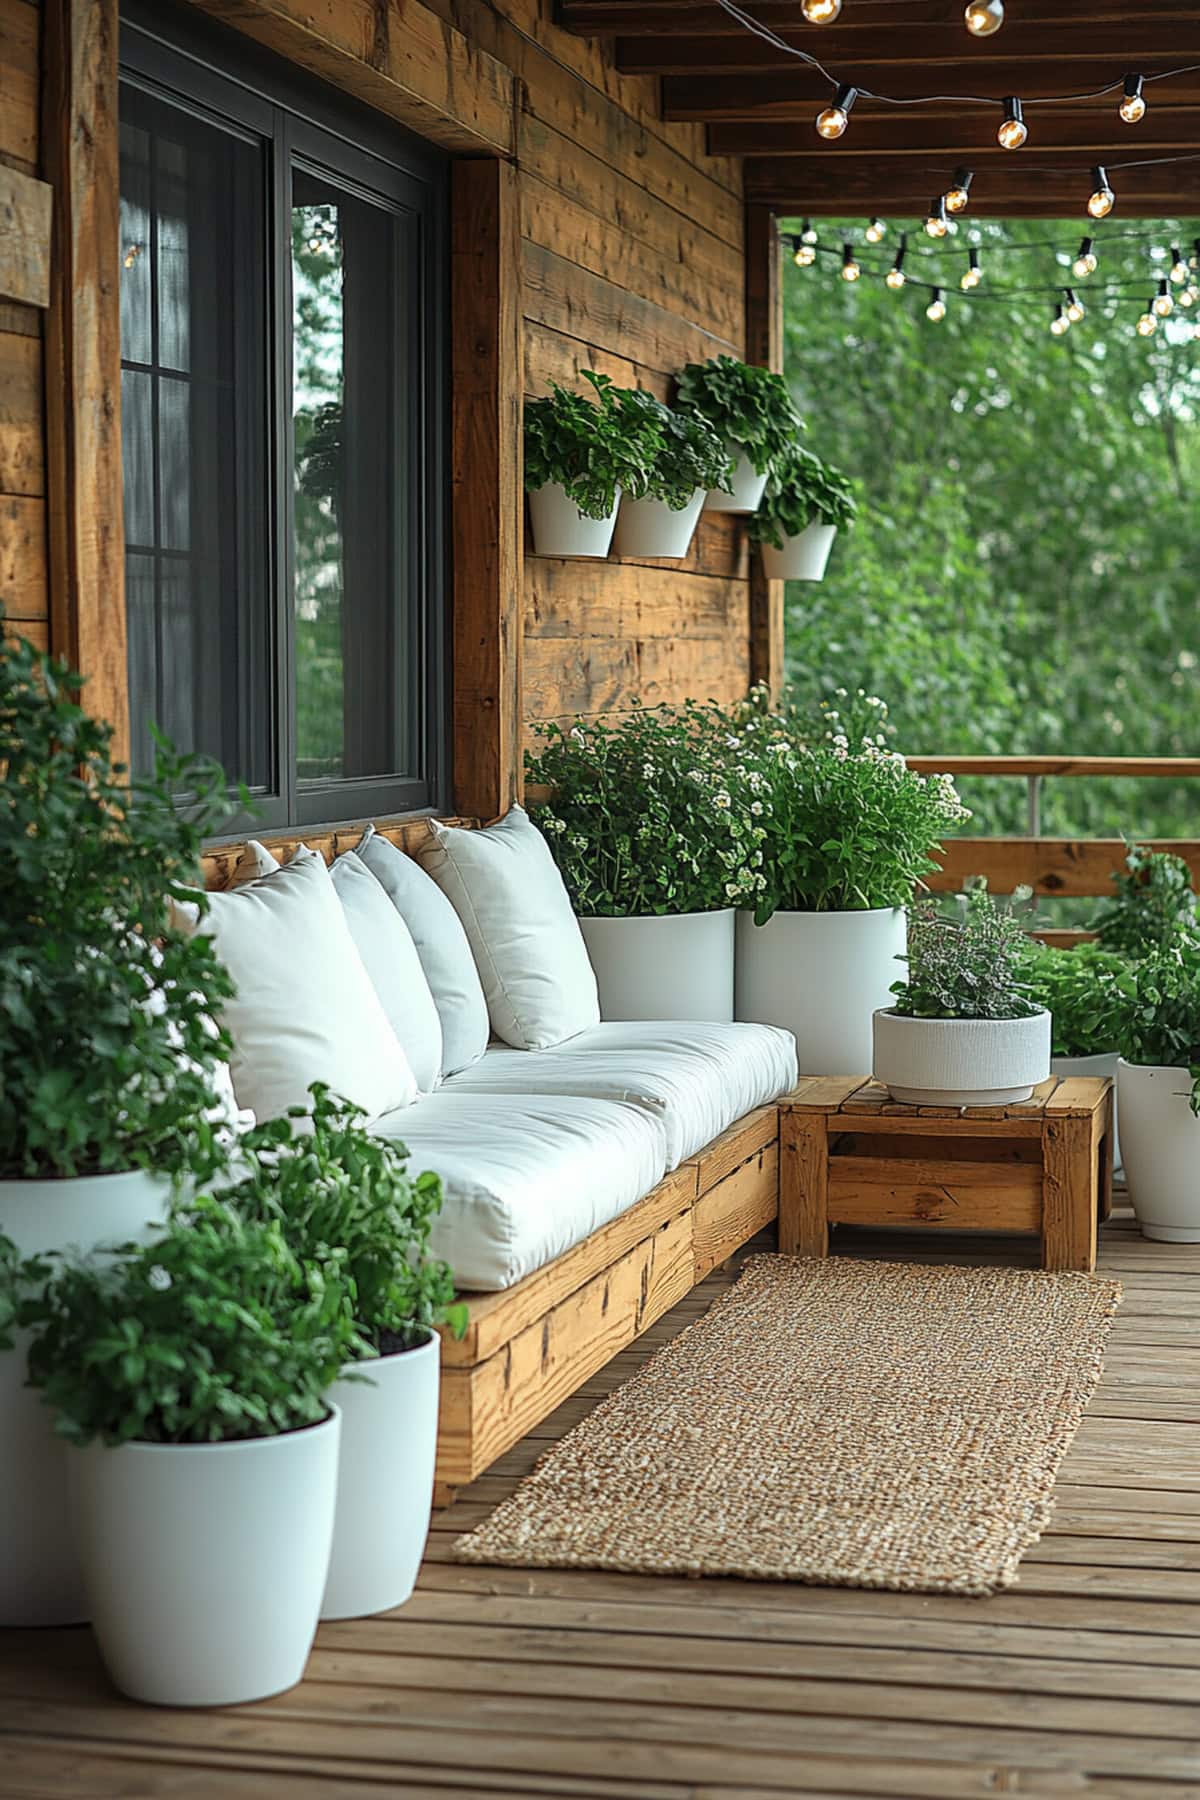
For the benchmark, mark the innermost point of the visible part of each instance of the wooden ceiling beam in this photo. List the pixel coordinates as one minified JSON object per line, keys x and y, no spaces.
{"x":653,"y":18}
{"x":903,"y":189}
{"x":966,"y":135}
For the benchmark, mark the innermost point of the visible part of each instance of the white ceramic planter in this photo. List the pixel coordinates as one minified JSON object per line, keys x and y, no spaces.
{"x":748,"y":488}
{"x":822,"y":975}
{"x":385,"y":1483}
{"x":41,"y":1582}
{"x":205,"y":1563}
{"x":1095,"y":1066}
{"x":677,"y":966}
{"x":650,"y":528}
{"x":1160,"y":1144}
{"x":961,"y":1062}
{"x":803,"y":557}
{"x":560,"y":529}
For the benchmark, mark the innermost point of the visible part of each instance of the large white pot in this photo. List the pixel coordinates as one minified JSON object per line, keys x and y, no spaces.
{"x":803,"y":557}
{"x":748,"y":488}
{"x":822,"y":975}
{"x":650,"y":528}
{"x":1160,"y":1143}
{"x":673,"y":966}
{"x":1097,"y":1067}
{"x":560,"y":529}
{"x":41,"y":1582}
{"x":205,"y":1563}
{"x":961,"y":1062}
{"x":385,"y":1484}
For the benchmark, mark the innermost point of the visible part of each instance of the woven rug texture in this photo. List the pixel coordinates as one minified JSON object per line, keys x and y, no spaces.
{"x":843,"y":1423}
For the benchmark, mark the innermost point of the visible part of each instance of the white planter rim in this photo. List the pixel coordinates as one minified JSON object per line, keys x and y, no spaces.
{"x":227,"y":1444}
{"x":1157,"y":1069}
{"x":890,"y":1012}
{"x":367,"y":1362}
{"x":828,"y":912}
{"x":710,"y":912}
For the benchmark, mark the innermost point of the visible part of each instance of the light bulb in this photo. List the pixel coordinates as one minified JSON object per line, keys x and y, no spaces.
{"x":959,"y":191}
{"x":1133,"y":105}
{"x":983,"y":17}
{"x":875,"y":232}
{"x":1162,"y":303}
{"x":833,"y":121}
{"x":131,"y":255}
{"x":820,"y":12}
{"x":804,"y":256}
{"x":1060,"y":322}
{"x":936,"y":223}
{"x":972,"y":275}
{"x":1179,"y":269}
{"x":1147,"y":325}
{"x":1013,"y":130}
{"x":1075,"y":307}
{"x":1085,"y":263}
{"x":1189,"y":295}
{"x":1102,"y":198}
{"x":808,"y":232}
{"x":850,"y":269}
{"x":936,"y":310}
{"x":895,"y":279}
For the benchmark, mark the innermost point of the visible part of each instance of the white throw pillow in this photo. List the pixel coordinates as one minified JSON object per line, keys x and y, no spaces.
{"x":389,"y":955}
{"x":305,"y":1009}
{"x":506,"y":889}
{"x":441,"y":945}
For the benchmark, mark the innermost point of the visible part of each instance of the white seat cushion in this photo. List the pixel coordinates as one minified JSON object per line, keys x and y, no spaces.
{"x":525,"y":1176}
{"x":696,"y":1077}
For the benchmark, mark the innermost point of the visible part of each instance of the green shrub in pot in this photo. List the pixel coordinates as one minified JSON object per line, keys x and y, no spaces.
{"x":968,"y":965}
{"x":590,"y":448}
{"x":748,"y":407}
{"x":688,"y":455}
{"x":1079,"y":988}
{"x":801,"y":491}
{"x":1153,"y":905}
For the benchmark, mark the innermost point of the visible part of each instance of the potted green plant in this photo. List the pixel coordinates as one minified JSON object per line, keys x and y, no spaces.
{"x":656,"y":827}
{"x":805,"y":502}
{"x":849,"y":833}
{"x":108,"y":1041}
{"x":659,"y":508}
{"x":1154,"y":1012}
{"x":579,"y":455}
{"x":751,"y":411}
{"x":1153,"y":905}
{"x":191,"y":1374}
{"x":346,"y":1204}
{"x":962,"y":1030}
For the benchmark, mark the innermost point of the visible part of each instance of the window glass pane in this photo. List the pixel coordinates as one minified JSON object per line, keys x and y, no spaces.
{"x":195,"y":424}
{"x":351,"y":418}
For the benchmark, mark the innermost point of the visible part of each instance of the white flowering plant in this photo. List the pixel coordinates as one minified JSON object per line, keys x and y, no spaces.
{"x":847,"y":826}
{"x":661,"y":813}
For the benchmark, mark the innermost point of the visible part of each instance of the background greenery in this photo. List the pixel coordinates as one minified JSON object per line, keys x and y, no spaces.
{"x":1025,"y":569}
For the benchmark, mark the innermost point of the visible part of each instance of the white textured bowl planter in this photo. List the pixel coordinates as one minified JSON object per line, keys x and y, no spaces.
{"x":803,"y":557}
{"x":650,"y":528}
{"x":1160,"y":1145}
{"x":41,"y":1582}
{"x":1096,"y":1067}
{"x":669,"y":966}
{"x":961,"y":1062}
{"x":205,"y":1563}
{"x":748,"y":488}
{"x":560,"y":529}
{"x":822,"y":975}
{"x":385,"y":1481}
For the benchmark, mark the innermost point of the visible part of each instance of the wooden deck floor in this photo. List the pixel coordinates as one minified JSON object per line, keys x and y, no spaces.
{"x":1084,"y":1679}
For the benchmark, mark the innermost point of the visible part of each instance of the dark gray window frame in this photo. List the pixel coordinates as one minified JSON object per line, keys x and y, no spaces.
{"x":221,"y":77}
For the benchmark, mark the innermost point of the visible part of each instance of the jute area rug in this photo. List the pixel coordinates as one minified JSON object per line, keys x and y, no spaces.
{"x":851,"y":1424}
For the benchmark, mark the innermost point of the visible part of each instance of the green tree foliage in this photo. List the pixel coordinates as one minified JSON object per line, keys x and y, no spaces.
{"x":1024,"y":570}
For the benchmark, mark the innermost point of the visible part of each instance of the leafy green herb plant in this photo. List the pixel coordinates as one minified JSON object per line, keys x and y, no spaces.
{"x":968,"y":966}
{"x":749,"y":408}
{"x":802,"y":491}
{"x":688,"y":453}
{"x":108,"y":1016}
{"x":1153,"y":906}
{"x":591,"y":448}
{"x":1154,"y":1013}
{"x":1079,"y":988}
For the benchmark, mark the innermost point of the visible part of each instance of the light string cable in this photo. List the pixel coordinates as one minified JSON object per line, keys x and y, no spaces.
{"x":997,"y":247}
{"x":1043,"y":291}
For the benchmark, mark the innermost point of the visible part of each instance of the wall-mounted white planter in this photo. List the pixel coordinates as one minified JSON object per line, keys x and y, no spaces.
{"x":1160,"y":1143}
{"x":961,"y":1062}
{"x":205,"y":1563}
{"x":748,"y":488}
{"x":822,"y":975}
{"x":803,"y":557}
{"x":1096,"y":1067}
{"x":41,"y":1582}
{"x":560,"y":529}
{"x":385,"y":1483}
{"x":677,"y":966}
{"x":650,"y":528}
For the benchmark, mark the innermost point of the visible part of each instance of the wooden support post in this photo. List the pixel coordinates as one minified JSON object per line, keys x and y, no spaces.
{"x":486,"y":495}
{"x":803,"y":1183}
{"x":1070,"y":1192}
{"x":1104,"y":1124}
{"x":764,"y":345}
{"x":83,"y":354}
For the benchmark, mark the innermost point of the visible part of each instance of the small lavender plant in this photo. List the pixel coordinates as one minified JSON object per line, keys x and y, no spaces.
{"x":968,"y":966}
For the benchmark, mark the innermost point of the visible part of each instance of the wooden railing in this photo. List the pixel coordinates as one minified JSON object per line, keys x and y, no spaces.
{"x":1076,"y":868}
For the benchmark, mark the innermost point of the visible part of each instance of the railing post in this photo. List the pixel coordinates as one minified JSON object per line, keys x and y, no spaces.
{"x":1034,"y":803}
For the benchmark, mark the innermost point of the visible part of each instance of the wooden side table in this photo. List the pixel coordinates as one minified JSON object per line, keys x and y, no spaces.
{"x":850,"y":1155}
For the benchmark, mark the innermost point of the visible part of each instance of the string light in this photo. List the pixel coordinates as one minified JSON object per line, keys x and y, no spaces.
{"x":936,"y":310}
{"x":972,"y":275}
{"x":1085,"y":263}
{"x":821,"y":12}
{"x":876,"y":231}
{"x":1133,"y":105}
{"x":850,"y":269}
{"x":808,"y":232}
{"x":1075,"y":307}
{"x":1147,"y":325}
{"x":131,"y":255}
{"x":895,"y":277}
{"x":1162,"y":303}
{"x":1060,"y":323}
{"x":1189,"y":295}
{"x":1179,"y":269}
{"x":937,"y":224}
{"x":959,"y":191}
{"x":1013,"y":130}
{"x":804,"y":255}
{"x":1102,"y":199}
{"x":832,"y":122}
{"x":984,"y":17}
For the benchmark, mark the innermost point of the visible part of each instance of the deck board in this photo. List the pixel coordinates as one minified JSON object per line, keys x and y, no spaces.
{"x":1082,"y":1680}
